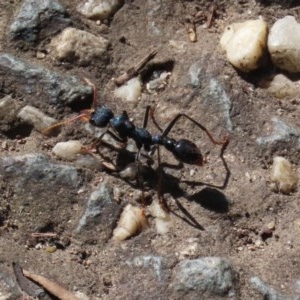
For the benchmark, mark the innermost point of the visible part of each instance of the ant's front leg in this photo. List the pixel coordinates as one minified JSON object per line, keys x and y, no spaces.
{"x":150,"y":112}
{"x":100,"y":141}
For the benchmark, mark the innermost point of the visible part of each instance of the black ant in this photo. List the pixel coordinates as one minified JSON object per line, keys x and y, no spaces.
{"x":184,"y":151}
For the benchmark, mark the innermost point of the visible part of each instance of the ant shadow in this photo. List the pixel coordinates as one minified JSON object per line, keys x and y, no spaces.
{"x":210,"y":197}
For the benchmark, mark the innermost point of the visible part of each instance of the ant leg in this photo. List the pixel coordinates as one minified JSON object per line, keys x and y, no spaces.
{"x":113,"y":135}
{"x":146,"y":116}
{"x":84,"y":116}
{"x":140,"y":181}
{"x":172,"y":123}
{"x":150,"y":111}
{"x":161,"y":201}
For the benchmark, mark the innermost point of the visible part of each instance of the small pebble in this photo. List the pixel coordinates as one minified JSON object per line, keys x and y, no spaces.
{"x":50,"y":249}
{"x":9,"y":108}
{"x":99,"y":9}
{"x":245,"y":44}
{"x":40,"y":55}
{"x":130,"y":172}
{"x":258,"y":243}
{"x":4,"y":145}
{"x":130,"y":91}
{"x":163,"y":221}
{"x":267,"y":230}
{"x":88,"y":160}
{"x":158,"y":83}
{"x":283,"y":178}
{"x":281,"y":87}
{"x":67,"y":150}
{"x":78,"y":45}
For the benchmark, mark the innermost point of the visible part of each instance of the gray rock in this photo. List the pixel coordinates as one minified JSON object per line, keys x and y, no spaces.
{"x":219,"y":96}
{"x":281,"y":132}
{"x":267,"y":291}
{"x":297,"y":289}
{"x":30,"y":169}
{"x":8,"y":287}
{"x":208,"y":274}
{"x":38,"y":19}
{"x":101,"y":214}
{"x":195,"y":73}
{"x":149,"y":262}
{"x":41,"y":83}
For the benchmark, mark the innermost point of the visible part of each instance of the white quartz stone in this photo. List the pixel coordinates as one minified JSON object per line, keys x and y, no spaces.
{"x":245,"y":44}
{"x":284,"y":44}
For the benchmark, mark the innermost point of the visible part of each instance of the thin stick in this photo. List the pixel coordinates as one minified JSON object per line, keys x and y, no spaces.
{"x":211,"y":16}
{"x":131,"y":72}
{"x":43,"y":234}
{"x":54,"y":288}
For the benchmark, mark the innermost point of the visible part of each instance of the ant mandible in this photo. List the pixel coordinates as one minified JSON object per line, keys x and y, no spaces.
{"x":185,"y":151}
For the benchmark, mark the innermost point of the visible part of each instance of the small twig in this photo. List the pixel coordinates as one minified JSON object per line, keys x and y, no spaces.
{"x":26,"y":285}
{"x":211,"y":16}
{"x":43,"y":234}
{"x":131,"y":72}
{"x":53,"y":288}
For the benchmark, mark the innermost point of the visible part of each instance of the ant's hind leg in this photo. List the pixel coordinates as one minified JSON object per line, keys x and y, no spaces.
{"x":140,"y":181}
{"x":160,"y":192}
{"x":223,"y":142}
{"x":150,"y":112}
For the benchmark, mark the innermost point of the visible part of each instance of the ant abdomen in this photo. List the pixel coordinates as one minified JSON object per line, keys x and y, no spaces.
{"x":187,"y":152}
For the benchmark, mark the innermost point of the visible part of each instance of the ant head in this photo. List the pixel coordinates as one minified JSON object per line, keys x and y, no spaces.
{"x":101,"y":116}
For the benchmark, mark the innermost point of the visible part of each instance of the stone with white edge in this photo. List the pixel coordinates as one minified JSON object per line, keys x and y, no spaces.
{"x":78,"y":45}
{"x":99,"y":9}
{"x":284,"y":44}
{"x":245,"y":44}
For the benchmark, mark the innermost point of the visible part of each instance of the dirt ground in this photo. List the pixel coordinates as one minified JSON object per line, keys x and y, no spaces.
{"x":221,"y":207}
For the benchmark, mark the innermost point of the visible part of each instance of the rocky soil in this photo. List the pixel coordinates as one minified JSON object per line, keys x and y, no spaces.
{"x":229,"y":235}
